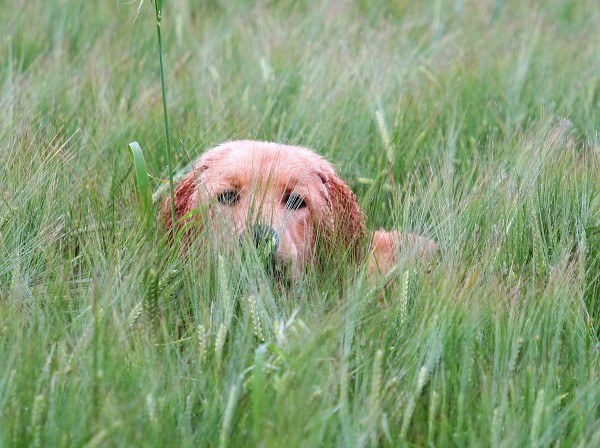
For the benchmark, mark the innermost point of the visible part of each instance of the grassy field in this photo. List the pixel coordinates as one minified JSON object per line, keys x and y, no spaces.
{"x":486,"y":113}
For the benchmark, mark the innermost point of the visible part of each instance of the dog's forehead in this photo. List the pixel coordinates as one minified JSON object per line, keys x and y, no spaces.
{"x":245,"y":162}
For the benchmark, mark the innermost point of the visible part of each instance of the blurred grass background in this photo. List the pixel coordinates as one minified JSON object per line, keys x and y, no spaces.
{"x":491,"y":111}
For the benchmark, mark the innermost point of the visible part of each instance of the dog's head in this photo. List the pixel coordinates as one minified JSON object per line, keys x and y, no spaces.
{"x":286,"y":200}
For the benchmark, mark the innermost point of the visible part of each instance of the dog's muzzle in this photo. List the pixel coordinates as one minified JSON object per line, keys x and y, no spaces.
{"x":265,"y":240}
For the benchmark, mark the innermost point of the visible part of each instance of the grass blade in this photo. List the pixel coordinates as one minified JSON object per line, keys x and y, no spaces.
{"x":142,"y":180}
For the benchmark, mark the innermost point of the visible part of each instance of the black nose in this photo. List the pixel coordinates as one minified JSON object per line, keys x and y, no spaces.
{"x":265,"y":240}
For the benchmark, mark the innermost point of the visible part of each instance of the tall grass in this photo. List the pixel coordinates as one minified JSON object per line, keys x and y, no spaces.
{"x":158,"y":5}
{"x":489,"y":117}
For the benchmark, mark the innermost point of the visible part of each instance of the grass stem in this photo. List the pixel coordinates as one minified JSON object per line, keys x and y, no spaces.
{"x":158,"y":10}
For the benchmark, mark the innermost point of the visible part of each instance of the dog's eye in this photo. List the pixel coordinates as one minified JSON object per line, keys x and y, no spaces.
{"x":229,"y":197}
{"x":294,"y":201}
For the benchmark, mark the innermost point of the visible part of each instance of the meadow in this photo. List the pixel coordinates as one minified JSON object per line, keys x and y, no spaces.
{"x":473,"y":122}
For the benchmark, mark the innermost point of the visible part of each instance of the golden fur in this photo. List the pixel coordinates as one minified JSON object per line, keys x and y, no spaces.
{"x":293,"y":193}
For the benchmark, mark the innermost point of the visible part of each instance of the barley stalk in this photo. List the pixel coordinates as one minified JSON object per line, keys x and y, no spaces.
{"x":385,"y":136}
{"x":496,"y":425}
{"x":225,"y":291}
{"x":536,"y":419}
{"x":228,"y":417}
{"x":134,"y":315}
{"x":39,"y":403}
{"x":422,"y":379}
{"x":219,"y":342}
{"x":388,"y":148}
{"x":432,"y":417}
{"x":515,"y":356}
{"x":406,"y":418}
{"x":202,"y":343}
{"x":151,"y":303}
{"x":374,"y":409}
{"x":403,"y":305}
{"x":258,"y":328}
{"x":151,"y":406}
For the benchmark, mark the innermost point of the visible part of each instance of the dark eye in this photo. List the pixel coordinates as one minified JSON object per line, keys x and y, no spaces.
{"x":229,"y":197}
{"x":294,"y":201}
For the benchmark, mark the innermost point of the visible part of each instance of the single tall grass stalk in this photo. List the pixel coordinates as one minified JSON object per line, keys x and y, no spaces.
{"x":158,"y":9}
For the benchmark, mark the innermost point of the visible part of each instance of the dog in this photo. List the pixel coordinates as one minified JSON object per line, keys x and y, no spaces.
{"x":286,"y":200}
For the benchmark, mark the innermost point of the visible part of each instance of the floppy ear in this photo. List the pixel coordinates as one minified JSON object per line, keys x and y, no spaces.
{"x":348,"y":221}
{"x":184,"y":201}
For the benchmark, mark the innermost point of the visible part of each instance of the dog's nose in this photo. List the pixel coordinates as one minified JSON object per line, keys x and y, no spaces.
{"x":265,"y":240}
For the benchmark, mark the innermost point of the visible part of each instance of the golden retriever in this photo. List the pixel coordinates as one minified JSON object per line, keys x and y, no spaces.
{"x":287,"y":199}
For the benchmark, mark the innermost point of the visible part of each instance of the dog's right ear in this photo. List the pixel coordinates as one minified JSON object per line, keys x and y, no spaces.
{"x":347,"y":224}
{"x":185,"y":201}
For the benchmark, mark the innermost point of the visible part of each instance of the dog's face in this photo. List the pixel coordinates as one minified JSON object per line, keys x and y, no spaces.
{"x":285,"y":200}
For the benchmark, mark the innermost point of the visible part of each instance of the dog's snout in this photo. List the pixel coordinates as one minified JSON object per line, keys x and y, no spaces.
{"x":265,"y":239}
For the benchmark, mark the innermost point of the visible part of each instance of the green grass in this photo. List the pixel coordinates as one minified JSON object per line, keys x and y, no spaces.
{"x":486,"y":115}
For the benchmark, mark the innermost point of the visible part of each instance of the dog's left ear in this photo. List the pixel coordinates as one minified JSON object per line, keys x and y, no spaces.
{"x":184,"y":194}
{"x":348,"y":226}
